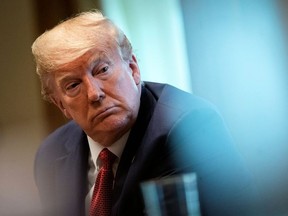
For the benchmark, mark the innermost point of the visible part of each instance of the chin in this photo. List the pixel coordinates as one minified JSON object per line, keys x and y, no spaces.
{"x":116,"y":124}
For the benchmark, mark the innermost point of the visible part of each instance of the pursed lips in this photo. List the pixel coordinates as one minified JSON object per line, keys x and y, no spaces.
{"x":103,"y":112}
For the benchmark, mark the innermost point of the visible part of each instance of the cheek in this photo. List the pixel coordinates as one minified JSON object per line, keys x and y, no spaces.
{"x":127,"y":94}
{"x":129,"y":91}
{"x":76,"y":108}
{"x":133,"y":99}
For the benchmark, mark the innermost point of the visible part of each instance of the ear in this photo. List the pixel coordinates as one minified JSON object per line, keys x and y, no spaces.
{"x":135,"y":70}
{"x":59,"y":104}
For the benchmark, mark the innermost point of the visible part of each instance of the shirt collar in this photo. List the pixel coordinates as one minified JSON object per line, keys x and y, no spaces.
{"x":116,"y":148}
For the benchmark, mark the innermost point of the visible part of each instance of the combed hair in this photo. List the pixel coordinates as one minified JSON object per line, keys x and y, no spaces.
{"x":71,"y":39}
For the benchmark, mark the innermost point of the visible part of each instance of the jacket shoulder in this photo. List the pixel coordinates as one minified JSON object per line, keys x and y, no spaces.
{"x":176,"y":99}
{"x":57,"y":141}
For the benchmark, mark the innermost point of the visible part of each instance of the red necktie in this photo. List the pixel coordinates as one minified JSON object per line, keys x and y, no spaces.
{"x":101,"y":203}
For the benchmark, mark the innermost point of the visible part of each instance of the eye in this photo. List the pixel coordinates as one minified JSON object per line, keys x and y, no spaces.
{"x":104,"y":69}
{"x":72,"y":89}
{"x":100,"y":70}
{"x":71,"y":86}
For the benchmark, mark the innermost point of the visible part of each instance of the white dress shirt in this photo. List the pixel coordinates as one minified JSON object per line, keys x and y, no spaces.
{"x":95,"y":164}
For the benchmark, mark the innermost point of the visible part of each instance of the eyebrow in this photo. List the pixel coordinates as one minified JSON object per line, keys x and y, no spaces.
{"x":102,"y":57}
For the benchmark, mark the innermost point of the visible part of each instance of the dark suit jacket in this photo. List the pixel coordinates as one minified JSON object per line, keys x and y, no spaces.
{"x":175,"y":133}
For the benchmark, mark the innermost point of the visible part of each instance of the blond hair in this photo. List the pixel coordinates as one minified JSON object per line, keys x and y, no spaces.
{"x":71,"y":39}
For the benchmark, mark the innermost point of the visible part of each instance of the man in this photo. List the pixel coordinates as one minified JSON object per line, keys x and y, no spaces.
{"x":88,"y":70}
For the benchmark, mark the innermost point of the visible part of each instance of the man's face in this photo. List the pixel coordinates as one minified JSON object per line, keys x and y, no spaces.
{"x":101,"y":92}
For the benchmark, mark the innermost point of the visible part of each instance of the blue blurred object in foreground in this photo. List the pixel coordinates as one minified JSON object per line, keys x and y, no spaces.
{"x":174,"y":196}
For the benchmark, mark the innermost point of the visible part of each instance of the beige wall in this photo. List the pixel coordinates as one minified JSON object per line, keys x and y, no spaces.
{"x":21,"y":119}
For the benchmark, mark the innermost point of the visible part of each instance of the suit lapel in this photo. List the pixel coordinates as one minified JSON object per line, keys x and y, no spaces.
{"x":140,"y":151}
{"x":134,"y":141}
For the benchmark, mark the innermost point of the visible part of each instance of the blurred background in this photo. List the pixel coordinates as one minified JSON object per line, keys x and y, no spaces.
{"x":231,"y":52}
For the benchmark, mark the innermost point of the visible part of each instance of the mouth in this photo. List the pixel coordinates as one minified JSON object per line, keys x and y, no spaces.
{"x":105,"y":112}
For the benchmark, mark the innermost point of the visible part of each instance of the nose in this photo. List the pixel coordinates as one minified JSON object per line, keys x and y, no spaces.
{"x":94,"y":90}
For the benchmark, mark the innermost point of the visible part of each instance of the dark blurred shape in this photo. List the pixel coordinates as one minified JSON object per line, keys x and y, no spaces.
{"x":174,"y":196}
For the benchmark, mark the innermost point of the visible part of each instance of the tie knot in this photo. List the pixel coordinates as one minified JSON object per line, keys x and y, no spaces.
{"x":107,"y":158}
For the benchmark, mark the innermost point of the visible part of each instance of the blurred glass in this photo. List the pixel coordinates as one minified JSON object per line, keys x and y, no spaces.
{"x":176,"y":195}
